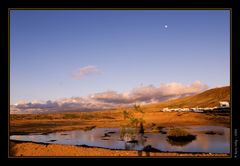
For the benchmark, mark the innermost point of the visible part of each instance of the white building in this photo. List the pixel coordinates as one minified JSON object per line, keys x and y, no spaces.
{"x":166,"y":110}
{"x":224,"y":104}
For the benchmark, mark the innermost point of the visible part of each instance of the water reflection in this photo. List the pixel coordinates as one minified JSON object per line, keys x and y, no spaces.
{"x":138,"y":144}
{"x":129,"y":146}
{"x":203,"y":143}
{"x":178,"y":143}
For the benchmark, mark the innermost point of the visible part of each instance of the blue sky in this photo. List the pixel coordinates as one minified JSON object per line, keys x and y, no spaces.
{"x":125,"y":48}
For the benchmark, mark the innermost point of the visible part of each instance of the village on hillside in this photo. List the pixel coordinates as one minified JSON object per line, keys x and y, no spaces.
{"x":223,"y":107}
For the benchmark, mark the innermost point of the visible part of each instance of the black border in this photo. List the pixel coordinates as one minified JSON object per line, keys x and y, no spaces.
{"x":117,"y":4}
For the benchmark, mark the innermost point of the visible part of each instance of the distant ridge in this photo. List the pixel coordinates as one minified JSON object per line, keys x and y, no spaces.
{"x":209,"y":98}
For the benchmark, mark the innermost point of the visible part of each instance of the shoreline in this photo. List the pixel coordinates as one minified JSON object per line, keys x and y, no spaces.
{"x":62,"y":130}
{"x":28,"y":149}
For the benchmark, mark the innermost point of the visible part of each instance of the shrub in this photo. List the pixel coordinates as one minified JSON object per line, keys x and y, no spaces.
{"x":127,"y":134}
{"x":157,"y":128}
{"x":177,"y":134}
{"x":178,"y":143}
{"x":134,"y":120}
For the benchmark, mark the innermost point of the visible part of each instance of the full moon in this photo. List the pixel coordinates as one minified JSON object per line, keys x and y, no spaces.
{"x":165,"y":26}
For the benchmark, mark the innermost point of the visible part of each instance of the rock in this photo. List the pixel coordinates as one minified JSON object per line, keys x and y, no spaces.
{"x":149,"y":148}
{"x":105,"y":139}
{"x":106,"y":135}
{"x":133,"y":141}
{"x":163,"y":132}
{"x":52,"y":140}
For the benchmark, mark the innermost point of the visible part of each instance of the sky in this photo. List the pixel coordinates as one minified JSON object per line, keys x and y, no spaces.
{"x":69,"y":53}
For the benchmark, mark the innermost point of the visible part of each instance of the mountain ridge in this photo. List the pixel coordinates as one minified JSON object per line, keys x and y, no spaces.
{"x":208,"y":98}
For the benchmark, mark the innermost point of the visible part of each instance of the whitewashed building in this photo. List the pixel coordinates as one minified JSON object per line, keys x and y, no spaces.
{"x":166,"y":110}
{"x":224,"y":104}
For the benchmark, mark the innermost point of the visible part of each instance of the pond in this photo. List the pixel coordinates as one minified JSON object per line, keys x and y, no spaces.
{"x":218,"y":142}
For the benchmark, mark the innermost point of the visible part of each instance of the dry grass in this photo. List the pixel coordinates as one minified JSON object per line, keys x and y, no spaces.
{"x":58,"y":122}
{"x":66,"y":115}
{"x":180,"y":135}
{"x":177,"y":132}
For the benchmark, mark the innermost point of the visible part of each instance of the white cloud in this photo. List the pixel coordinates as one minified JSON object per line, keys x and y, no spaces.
{"x":179,"y":89}
{"x":111,"y":99}
{"x":84,"y":71}
{"x":165,"y":91}
{"x":222,"y":85}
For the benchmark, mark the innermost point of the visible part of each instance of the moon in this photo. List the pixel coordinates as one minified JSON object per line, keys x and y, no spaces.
{"x":165,"y":26}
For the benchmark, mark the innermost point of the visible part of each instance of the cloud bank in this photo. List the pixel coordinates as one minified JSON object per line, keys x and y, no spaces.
{"x":111,"y":99}
{"x":150,"y":94}
{"x":84,"y":71}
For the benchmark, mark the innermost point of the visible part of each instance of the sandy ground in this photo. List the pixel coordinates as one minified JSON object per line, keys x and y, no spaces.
{"x":33,"y":149}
